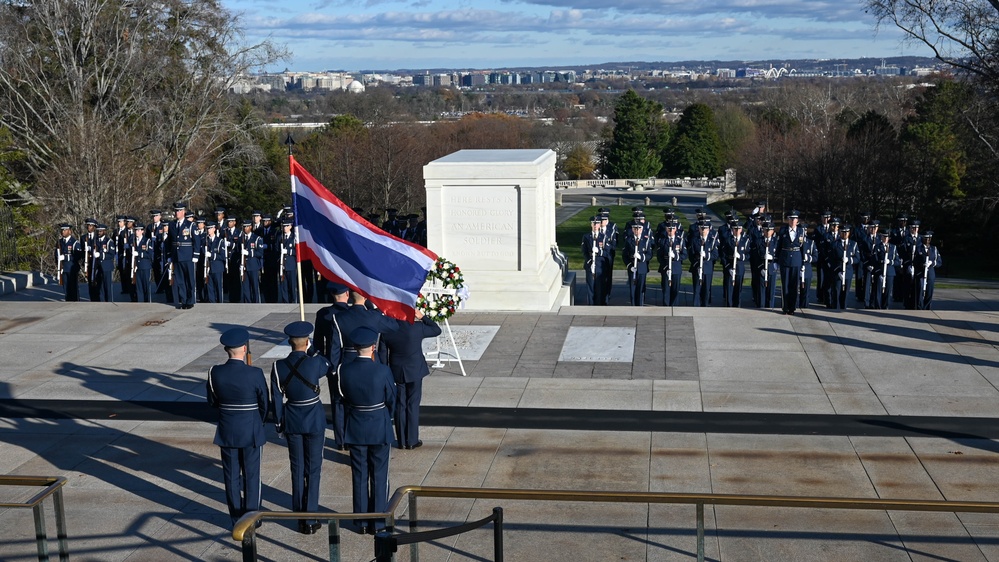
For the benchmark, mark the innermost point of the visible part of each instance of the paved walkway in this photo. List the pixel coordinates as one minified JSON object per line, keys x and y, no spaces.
{"x":149,"y":490}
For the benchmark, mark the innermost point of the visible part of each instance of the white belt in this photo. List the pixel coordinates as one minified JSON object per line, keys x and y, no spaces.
{"x":309,"y":402}
{"x":238,"y":407}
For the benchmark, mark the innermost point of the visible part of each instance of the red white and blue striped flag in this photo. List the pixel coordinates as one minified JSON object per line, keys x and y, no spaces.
{"x":347,"y":249}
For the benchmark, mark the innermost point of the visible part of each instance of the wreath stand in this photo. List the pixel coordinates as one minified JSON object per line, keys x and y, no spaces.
{"x":430,"y":290}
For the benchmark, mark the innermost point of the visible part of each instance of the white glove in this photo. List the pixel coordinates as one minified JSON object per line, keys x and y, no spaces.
{"x":284,"y":250}
{"x":262,"y":246}
{"x":246,"y":252}
{"x":672,"y":256}
{"x":702,"y":254}
{"x":195,"y":260}
{"x":97,"y":255}
{"x":842,"y":277}
{"x":770,"y":256}
{"x":208,"y":255}
{"x":737,"y":256}
{"x":641,"y":258}
{"x":912,"y":270}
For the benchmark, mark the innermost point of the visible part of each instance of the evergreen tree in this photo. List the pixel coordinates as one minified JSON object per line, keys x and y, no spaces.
{"x":632,"y":151}
{"x":695,"y":149}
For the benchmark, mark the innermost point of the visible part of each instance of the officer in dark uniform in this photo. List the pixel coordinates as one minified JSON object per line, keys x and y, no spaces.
{"x":329,"y":342}
{"x":272,"y":261}
{"x":702,"y":250}
{"x":734,"y":251}
{"x":671,"y":251}
{"x":596,"y":256}
{"x":239,"y":392}
{"x":68,"y":255}
{"x":865,"y":241}
{"x":819,"y":237}
{"x":166,"y":278}
{"x":144,"y":249}
{"x":369,"y":398}
{"x":899,"y":238}
{"x":300,"y":416}
{"x":105,"y":254}
{"x":790,"y":242}
{"x":927,"y":260}
{"x":392,"y":224}
{"x":232,"y":283}
{"x":842,"y":255}
{"x":216,"y":257}
{"x":610,"y":232}
{"x":89,"y":269}
{"x":251,"y":248}
{"x":638,"y":245}
{"x":185,"y":247}
{"x":360,"y":315}
{"x":883,"y":263}
{"x":766,"y":256}
{"x":409,"y":367}
{"x":152,"y":230}
{"x":201,"y":269}
{"x":288,"y":264}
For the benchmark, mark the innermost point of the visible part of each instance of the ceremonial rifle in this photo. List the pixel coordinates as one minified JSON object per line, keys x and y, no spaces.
{"x":59,"y":261}
{"x":242,"y":259}
{"x":593,"y":257}
{"x":926,"y":271}
{"x":86,"y":253}
{"x":207,"y":254}
{"x":281,"y":262}
{"x":132,"y":269}
{"x":735,"y":260}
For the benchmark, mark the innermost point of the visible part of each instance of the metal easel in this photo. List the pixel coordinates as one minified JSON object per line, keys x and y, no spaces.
{"x":431,"y":289}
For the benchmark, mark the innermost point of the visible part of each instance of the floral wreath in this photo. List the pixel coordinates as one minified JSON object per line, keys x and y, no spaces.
{"x":441,"y":306}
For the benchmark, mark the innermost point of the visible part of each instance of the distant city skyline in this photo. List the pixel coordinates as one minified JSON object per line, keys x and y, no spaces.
{"x":391,"y":35}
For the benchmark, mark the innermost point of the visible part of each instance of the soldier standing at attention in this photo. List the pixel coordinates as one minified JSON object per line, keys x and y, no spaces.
{"x":87,"y":244}
{"x":184,"y":248}
{"x":144,"y":250}
{"x":68,"y":253}
{"x":239,"y":391}
{"x":409,"y":367}
{"x":369,"y":399}
{"x":216,"y":256}
{"x":105,"y":253}
{"x":596,"y":258}
{"x":790,"y":242}
{"x":329,"y":342}
{"x":288,"y":262}
{"x":300,"y":416}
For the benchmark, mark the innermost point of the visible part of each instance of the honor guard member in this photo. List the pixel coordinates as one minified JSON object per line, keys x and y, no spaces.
{"x":884,"y":262}
{"x":165,"y":285}
{"x":69,"y":252}
{"x":421,"y":228}
{"x":790,"y":242}
{"x":288,"y":264}
{"x":702,"y":251}
{"x":215,"y":260}
{"x":927,"y":260}
{"x":610,"y":232}
{"x":899,"y":234}
{"x":105,"y":256}
{"x":819,"y":237}
{"x":144,"y":250}
{"x":329,"y":342}
{"x":392,"y":225}
{"x":184,"y":251}
{"x":754,"y":231}
{"x":726,"y":226}
{"x":369,"y":399}
{"x":201,"y":270}
{"x":671,"y":252}
{"x":125,"y":248}
{"x":232,"y":234}
{"x":409,"y":367}
{"x":87,"y":247}
{"x":734,"y":251}
{"x":220,"y":217}
{"x":152,"y":230}
{"x":865,"y":241}
{"x":826,"y":243}
{"x":121,"y":234}
{"x":809,"y":255}
{"x":258,"y":223}
{"x":766,"y":251}
{"x":841,"y":258}
{"x":908,"y":249}
{"x":251,"y":247}
{"x":272,"y":260}
{"x":596,"y":258}
{"x":239,"y":392}
{"x":358,"y":315}
{"x":694,"y":228}
{"x":299,"y":415}
{"x":638,"y":245}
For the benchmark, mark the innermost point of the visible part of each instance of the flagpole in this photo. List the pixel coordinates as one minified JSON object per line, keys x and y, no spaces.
{"x":294,"y":206}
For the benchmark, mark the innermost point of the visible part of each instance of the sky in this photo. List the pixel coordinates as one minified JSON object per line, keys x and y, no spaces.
{"x":355,"y":35}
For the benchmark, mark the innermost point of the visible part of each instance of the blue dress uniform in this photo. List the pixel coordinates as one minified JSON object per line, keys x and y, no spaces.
{"x":288,"y":263}
{"x":87,"y":248}
{"x":734,"y":250}
{"x":232,"y":234}
{"x":105,"y":255}
{"x":819,"y":236}
{"x":216,"y":257}
{"x":927,"y":260}
{"x":68,"y":255}
{"x":809,"y":256}
{"x":766,"y":254}
{"x":597,"y":263}
{"x":251,"y":247}
{"x":300,"y":416}
{"x":121,"y":240}
{"x":369,"y":397}
{"x":842,"y":255}
{"x":829,"y":281}
{"x":184,"y":251}
{"x":153,"y":231}
{"x":637,"y":254}
{"x":671,"y":251}
{"x":865,"y":242}
{"x":239,"y":391}
{"x":409,"y":367}
{"x":702,"y":250}
{"x":610,"y":235}
{"x":329,"y":342}
{"x":883,"y":263}
{"x":790,"y":242}
{"x":145,"y":253}
{"x":905,"y":281}
{"x":166,"y":278}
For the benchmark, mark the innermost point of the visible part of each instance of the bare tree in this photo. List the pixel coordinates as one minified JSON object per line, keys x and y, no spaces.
{"x":119,"y":105}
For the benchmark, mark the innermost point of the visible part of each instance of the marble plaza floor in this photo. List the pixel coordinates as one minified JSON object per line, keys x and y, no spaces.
{"x":150,"y":490}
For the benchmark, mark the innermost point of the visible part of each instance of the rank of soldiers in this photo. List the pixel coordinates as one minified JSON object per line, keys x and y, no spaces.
{"x":883,"y":265}
{"x":192,"y":259}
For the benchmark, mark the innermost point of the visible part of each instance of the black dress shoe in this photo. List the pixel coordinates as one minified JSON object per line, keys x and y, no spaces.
{"x":305,"y":528}
{"x":416,"y":445}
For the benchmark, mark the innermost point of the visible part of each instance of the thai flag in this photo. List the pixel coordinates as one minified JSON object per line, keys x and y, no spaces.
{"x":350,"y":250}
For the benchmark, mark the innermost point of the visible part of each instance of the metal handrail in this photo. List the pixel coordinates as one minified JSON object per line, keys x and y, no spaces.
{"x":52,"y":487}
{"x":244,"y":527}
